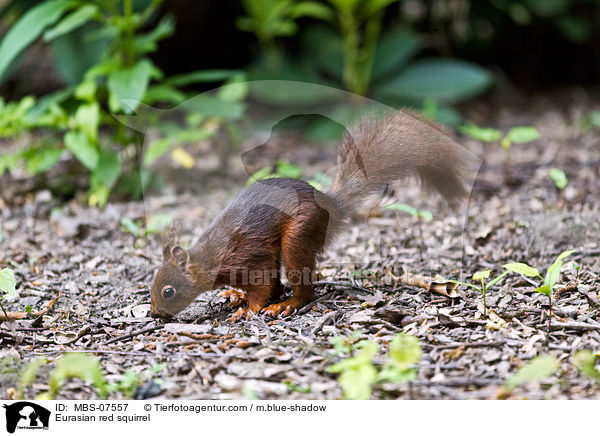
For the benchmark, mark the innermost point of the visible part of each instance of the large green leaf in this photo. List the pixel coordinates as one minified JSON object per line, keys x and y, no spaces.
{"x":108,"y":169}
{"x":444,"y":80}
{"x":87,"y":118}
{"x":28,"y":28}
{"x":540,"y":367}
{"x":129,"y":85}
{"x":393,"y":51}
{"x":72,"y":21}
{"x":81,"y":147}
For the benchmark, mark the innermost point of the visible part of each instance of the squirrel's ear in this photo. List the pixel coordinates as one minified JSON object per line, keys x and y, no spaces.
{"x":180,"y":256}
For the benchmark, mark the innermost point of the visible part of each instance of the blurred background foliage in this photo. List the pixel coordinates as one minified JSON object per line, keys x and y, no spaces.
{"x":69,"y":69}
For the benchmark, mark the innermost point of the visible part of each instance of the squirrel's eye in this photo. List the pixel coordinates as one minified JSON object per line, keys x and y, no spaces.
{"x":168,"y":292}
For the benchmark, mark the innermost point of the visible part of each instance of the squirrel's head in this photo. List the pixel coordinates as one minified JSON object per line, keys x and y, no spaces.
{"x":173,"y":288}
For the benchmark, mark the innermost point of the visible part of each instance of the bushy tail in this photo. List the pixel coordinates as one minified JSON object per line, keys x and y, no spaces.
{"x":376,"y":152}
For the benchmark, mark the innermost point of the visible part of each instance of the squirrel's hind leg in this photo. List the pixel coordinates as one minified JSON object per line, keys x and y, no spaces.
{"x":300,"y":245}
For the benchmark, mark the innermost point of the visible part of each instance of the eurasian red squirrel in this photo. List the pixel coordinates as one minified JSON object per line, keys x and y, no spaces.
{"x":286,"y":222}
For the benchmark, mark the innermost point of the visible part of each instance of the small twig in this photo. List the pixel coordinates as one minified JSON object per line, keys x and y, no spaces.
{"x":309,"y":306}
{"x":466,"y":345}
{"x":135,"y":333}
{"x":12,"y":316}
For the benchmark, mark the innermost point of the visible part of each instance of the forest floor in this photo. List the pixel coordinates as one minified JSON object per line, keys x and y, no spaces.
{"x":103,"y":275}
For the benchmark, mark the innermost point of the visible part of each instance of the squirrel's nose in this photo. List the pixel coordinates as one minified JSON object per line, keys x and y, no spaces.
{"x":160,"y":314}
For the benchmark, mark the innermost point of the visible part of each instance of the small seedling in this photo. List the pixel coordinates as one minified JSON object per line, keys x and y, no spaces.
{"x":559,"y":178}
{"x":8,"y":285}
{"x":540,"y":367}
{"x":154,"y":224}
{"x":516,"y":135}
{"x":419,"y":215}
{"x":585,"y":361}
{"x":483,"y":276}
{"x":590,"y":121}
{"x":358,"y":374}
{"x":281,"y":169}
{"x":548,"y":281}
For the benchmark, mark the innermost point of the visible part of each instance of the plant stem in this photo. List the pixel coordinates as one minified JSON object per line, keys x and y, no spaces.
{"x":128,"y":31}
{"x":483,"y":293}
{"x":549,"y":313}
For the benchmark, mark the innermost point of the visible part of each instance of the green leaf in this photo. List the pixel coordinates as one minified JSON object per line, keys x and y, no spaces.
{"x":522,"y":268}
{"x":553,"y":272}
{"x":78,"y":144}
{"x":425,"y":215}
{"x":8,"y":283}
{"x":87,"y":118}
{"x":201,"y":76}
{"x":522,"y":135}
{"x":405,"y":350}
{"x":479,"y":275}
{"x":156,"y":150}
{"x":235,"y":89}
{"x":75,"y":19}
{"x":394,"y":50}
{"x":212,"y":106}
{"x":263,"y":173}
{"x":157,"y":223}
{"x":130,"y":226}
{"x":77,"y":365}
{"x":442,"y":79}
{"x":312,"y":9}
{"x":323,"y":49}
{"x":482,"y":134}
{"x":559,"y":178}
{"x":357,"y":373}
{"x":108,"y":169}
{"x":585,"y":361}
{"x":163,"y":94}
{"x":546,"y":290}
{"x":469,"y":285}
{"x":497,"y":279}
{"x":286,"y":169}
{"x":41,"y":159}
{"x":402,"y":207}
{"x":540,"y":367}
{"x":128,"y":87}
{"x":28,"y":28}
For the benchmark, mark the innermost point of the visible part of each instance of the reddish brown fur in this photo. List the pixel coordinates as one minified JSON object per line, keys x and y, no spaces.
{"x":286,"y":222}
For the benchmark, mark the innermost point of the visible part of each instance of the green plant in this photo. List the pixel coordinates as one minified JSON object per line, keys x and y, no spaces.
{"x":482,"y":276}
{"x":547,"y":285}
{"x":270,"y":19}
{"x":559,"y":178}
{"x":516,"y":135}
{"x":74,"y":365}
{"x":116,"y":82}
{"x":358,"y":374}
{"x":154,"y":224}
{"x":8,"y":285}
{"x":585,"y":361}
{"x":538,"y":368}
{"x":347,"y":46}
{"x":590,"y":121}
{"x":281,"y":169}
{"x":84,"y":367}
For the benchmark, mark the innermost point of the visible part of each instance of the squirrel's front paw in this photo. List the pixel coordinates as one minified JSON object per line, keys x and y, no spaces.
{"x":236,"y":297}
{"x":241,"y":313}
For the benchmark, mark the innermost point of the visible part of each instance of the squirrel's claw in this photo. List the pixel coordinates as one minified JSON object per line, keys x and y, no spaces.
{"x":279,"y":309}
{"x":239,"y":314}
{"x":236,"y":297}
